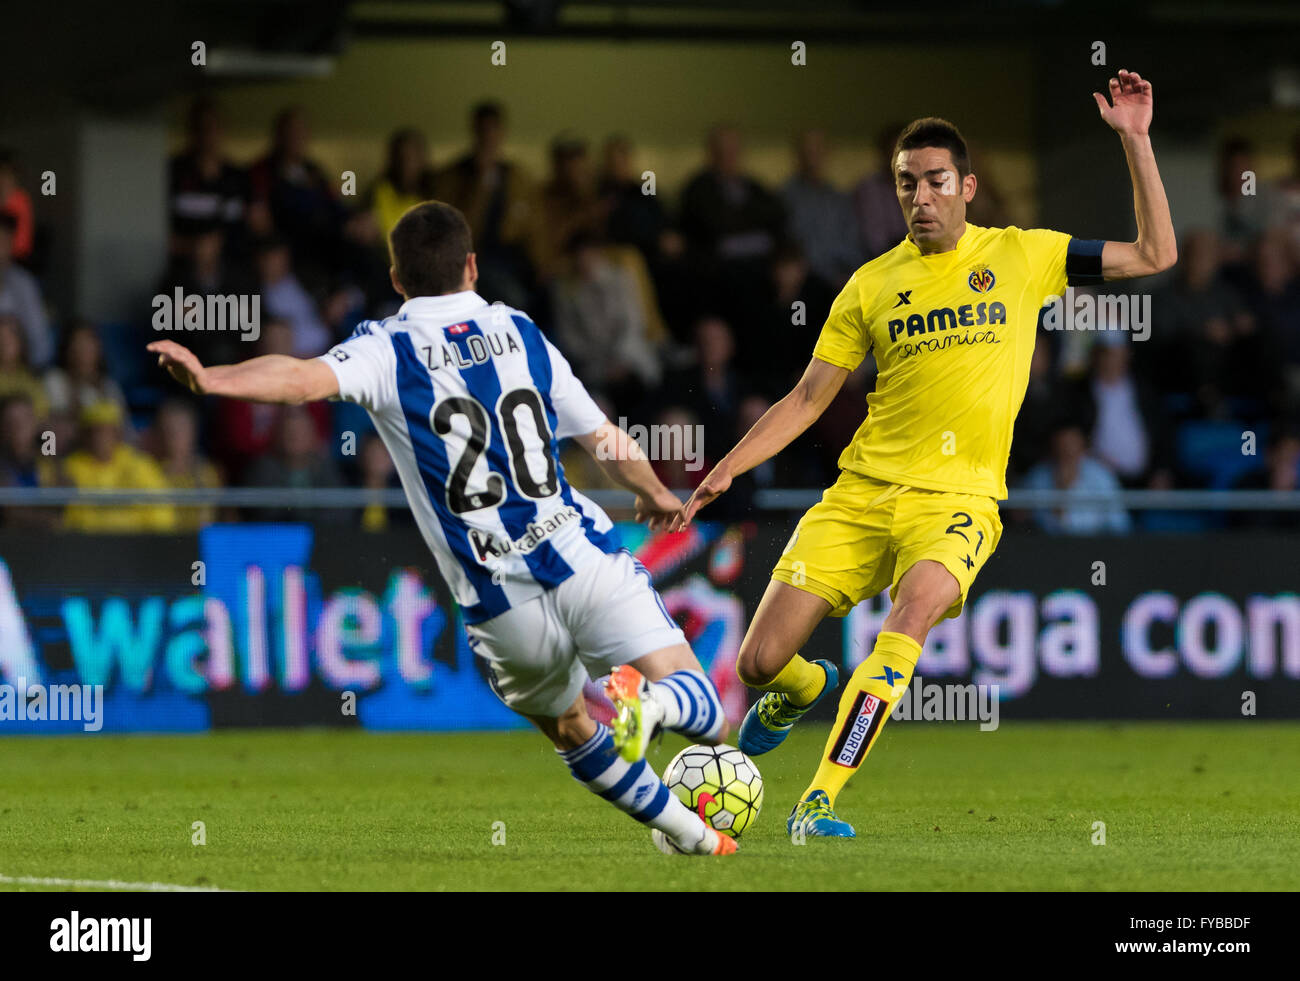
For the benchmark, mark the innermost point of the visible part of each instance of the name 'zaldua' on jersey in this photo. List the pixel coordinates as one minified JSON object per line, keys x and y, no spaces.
{"x":953,"y":335}
{"x":472,"y":400}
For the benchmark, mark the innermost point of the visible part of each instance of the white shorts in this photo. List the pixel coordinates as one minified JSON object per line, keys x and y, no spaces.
{"x":541,"y":653}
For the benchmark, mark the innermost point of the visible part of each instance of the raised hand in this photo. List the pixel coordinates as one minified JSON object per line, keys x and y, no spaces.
{"x":713,"y":487}
{"x":181,"y":363}
{"x":1129,"y":110}
{"x":658,"y":512}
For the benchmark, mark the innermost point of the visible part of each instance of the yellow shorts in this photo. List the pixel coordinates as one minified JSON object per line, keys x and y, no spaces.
{"x":864,"y":534}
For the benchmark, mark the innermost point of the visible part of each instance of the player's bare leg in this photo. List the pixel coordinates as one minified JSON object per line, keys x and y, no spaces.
{"x":925,"y":593}
{"x":587,"y":747}
{"x":785,"y":619}
{"x":769,"y":660}
{"x":666,"y":688}
{"x":568,"y":730}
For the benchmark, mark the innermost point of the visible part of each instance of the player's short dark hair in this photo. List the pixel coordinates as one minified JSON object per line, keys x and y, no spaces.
{"x":935,"y":132}
{"x":429,"y":245}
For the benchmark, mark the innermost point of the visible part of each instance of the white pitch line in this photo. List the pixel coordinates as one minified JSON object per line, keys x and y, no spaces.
{"x":27,"y":880}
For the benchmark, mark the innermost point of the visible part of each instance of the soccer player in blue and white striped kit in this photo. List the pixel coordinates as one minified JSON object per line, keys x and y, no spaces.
{"x":471,"y":400}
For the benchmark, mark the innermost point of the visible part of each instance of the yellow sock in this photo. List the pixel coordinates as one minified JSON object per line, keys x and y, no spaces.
{"x":869,"y":697}
{"x":800,"y":679}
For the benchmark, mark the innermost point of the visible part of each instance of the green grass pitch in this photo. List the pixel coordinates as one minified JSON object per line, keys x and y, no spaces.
{"x":937,"y":807}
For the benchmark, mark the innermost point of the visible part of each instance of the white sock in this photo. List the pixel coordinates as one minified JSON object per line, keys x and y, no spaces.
{"x":634,"y":788}
{"x":690,"y":704}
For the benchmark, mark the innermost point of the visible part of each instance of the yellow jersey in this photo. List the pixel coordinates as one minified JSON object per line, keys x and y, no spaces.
{"x":128,"y":469}
{"x":952,"y":334}
{"x":389,"y":204}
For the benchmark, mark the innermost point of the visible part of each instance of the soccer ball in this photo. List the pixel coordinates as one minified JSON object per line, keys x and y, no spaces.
{"x":720,"y":784}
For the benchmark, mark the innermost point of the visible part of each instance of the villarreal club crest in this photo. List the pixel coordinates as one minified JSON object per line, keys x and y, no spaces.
{"x":981,"y":279}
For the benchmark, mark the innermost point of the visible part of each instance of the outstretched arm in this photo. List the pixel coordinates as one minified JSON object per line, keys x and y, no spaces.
{"x":270,"y":378}
{"x":621,"y":457}
{"x":1128,"y":113}
{"x":770,"y":435}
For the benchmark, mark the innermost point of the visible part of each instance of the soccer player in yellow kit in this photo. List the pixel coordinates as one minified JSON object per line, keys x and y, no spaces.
{"x":951,"y":315}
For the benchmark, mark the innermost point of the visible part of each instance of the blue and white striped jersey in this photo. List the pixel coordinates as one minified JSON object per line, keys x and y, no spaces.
{"x":471,"y":400}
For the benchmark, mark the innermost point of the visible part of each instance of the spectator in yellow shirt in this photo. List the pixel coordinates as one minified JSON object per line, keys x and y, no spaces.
{"x":407,"y":180}
{"x":174,"y":440}
{"x":107,"y":463}
{"x":16,"y":376}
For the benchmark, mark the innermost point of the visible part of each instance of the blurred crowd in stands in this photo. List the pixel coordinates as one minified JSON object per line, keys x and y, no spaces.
{"x":700,"y":311}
